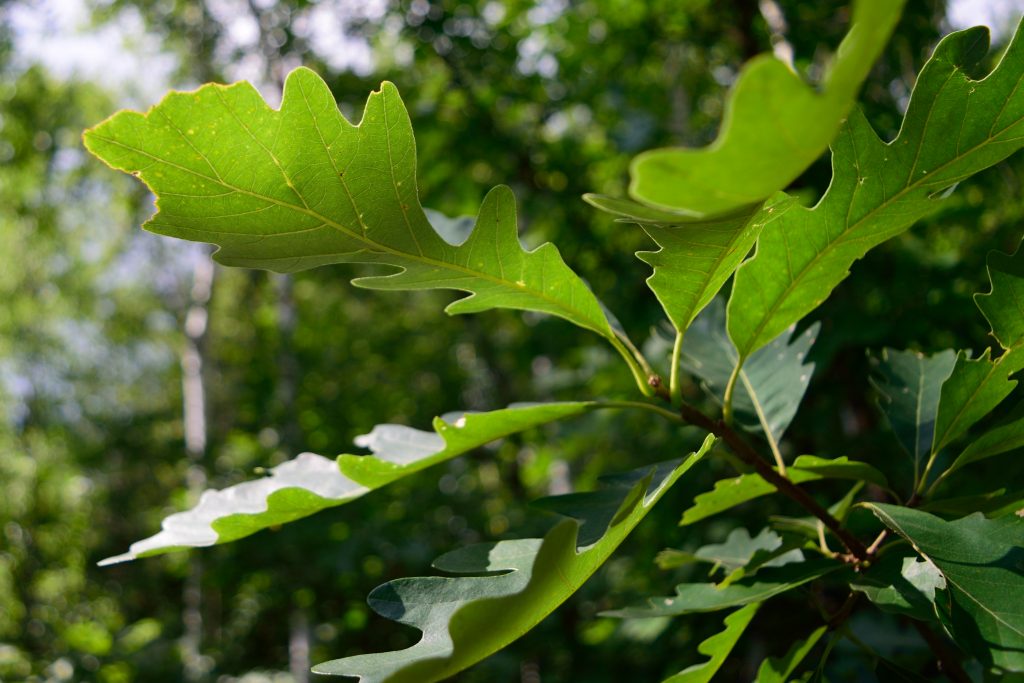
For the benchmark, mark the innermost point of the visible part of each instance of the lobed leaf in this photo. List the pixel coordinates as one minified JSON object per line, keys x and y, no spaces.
{"x":779,"y":669}
{"x":979,"y":385}
{"x":728,"y":493}
{"x":302,"y":187}
{"x":510,"y":585}
{"x":717,"y":647}
{"x":709,"y":597}
{"x":310,"y":483}
{"x":695,"y":256}
{"x":980,"y":560}
{"x":771,"y":384}
{"x":775,"y":125}
{"x":737,"y":551}
{"x":955,"y":126}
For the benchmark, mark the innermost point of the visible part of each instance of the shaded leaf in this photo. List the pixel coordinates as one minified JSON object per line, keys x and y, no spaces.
{"x":979,"y":385}
{"x":717,"y":647}
{"x":728,"y":493}
{"x":302,"y":187}
{"x":708,"y":597}
{"x":955,"y":126}
{"x":909,"y":385}
{"x":779,"y":669}
{"x":511,"y":585}
{"x":992,"y":504}
{"x":310,"y":483}
{"x":996,"y":441}
{"x":981,"y":561}
{"x":902,"y":584}
{"x":775,"y":125}
{"x":771,"y":384}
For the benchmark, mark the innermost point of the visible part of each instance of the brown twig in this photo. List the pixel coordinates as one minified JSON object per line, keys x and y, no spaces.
{"x":784,"y":485}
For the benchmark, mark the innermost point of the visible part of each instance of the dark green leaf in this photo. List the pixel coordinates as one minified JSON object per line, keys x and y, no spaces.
{"x":902,"y":584}
{"x":708,"y":597}
{"x":981,"y":560}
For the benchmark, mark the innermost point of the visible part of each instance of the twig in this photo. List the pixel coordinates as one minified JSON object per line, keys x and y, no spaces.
{"x":747,"y":454}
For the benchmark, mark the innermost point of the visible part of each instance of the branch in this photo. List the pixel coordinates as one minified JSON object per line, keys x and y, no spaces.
{"x":748,"y":455}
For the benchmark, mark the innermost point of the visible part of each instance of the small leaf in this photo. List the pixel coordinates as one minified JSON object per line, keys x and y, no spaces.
{"x":717,"y":647}
{"x":981,"y":561}
{"x":779,"y":669}
{"x":771,"y":384}
{"x":955,"y":126}
{"x":511,"y":586}
{"x":708,"y":597}
{"x":302,"y":187}
{"x":909,"y":386}
{"x":1003,"y":305}
{"x":902,"y":584}
{"x":737,"y":550}
{"x":310,"y":483}
{"x":728,"y":493}
{"x":775,"y":125}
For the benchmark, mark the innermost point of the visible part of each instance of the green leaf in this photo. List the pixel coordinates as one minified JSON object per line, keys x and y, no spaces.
{"x":996,"y":441}
{"x":909,"y":386}
{"x":1003,"y":305}
{"x":775,"y":125}
{"x":979,"y":385}
{"x":736,"y":551}
{"x":309,"y":483}
{"x":771,"y":384}
{"x":955,"y":126}
{"x":981,"y":561}
{"x":728,"y":493}
{"x":695,"y":257}
{"x":302,"y":187}
{"x":991,"y":504}
{"x":709,"y":597}
{"x":717,"y":647}
{"x":779,"y":669}
{"x":902,"y":584}
{"x":511,"y":586}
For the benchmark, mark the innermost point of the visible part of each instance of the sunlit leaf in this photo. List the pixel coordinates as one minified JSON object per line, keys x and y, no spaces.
{"x":955,"y":126}
{"x":775,"y":125}
{"x":310,"y":483}
{"x":779,"y":669}
{"x":302,"y":187}
{"x":717,"y":648}
{"x":508,"y":586}
{"x":902,"y":584}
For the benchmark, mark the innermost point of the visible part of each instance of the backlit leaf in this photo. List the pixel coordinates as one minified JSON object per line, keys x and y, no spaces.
{"x":955,"y":126}
{"x":509,"y":586}
{"x":717,"y":648}
{"x":775,"y":125}
{"x":779,"y":669}
{"x":310,"y":483}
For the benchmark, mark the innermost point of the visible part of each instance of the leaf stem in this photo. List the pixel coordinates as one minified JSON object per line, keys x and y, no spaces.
{"x":730,"y":388}
{"x":783,"y":484}
{"x":637,"y":363}
{"x":668,"y":414}
{"x":674,"y":389}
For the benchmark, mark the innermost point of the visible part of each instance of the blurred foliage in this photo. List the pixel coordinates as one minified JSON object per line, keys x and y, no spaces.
{"x":550,"y":97}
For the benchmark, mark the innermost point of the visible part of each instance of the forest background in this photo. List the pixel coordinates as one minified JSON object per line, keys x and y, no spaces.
{"x":133,"y":373}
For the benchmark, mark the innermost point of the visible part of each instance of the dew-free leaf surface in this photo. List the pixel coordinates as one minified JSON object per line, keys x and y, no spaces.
{"x":310,"y":483}
{"x":506,"y":588}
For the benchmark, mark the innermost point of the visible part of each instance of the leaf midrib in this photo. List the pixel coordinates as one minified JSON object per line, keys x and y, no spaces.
{"x":374,"y":246}
{"x":773,"y":309}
